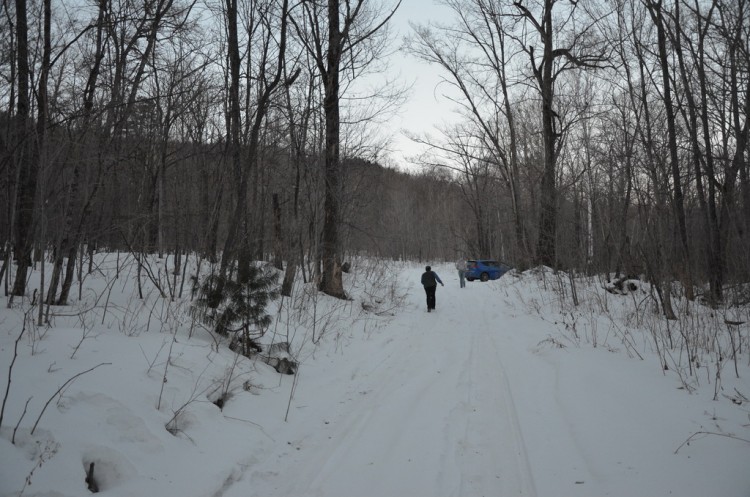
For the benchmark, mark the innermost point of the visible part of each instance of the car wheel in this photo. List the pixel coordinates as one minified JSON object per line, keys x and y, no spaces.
{"x":484,"y":277}
{"x":470,"y":279}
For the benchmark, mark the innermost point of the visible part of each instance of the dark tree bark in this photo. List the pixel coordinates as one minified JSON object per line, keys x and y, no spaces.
{"x":26,"y":155}
{"x":41,"y":133}
{"x":545,"y":252}
{"x":706,"y":201}
{"x":736,"y":37}
{"x":331,"y":279}
{"x":546,"y":69}
{"x":657,"y":259}
{"x":233,"y":130}
{"x":298,"y":137}
{"x":267,"y":89}
{"x":72,"y":233}
{"x":278,"y":239}
{"x":657,"y":15}
{"x":328,"y":60}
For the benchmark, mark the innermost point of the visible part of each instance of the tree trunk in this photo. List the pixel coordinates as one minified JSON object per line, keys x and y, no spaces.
{"x":545,"y":252}
{"x":655,"y":9}
{"x":27,"y":169}
{"x":41,"y":126}
{"x":233,"y":135}
{"x":331,"y":281}
{"x":70,"y":268}
{"x":708,"y":205}
{"x":268,"y":87}
{"x":278,"y":241}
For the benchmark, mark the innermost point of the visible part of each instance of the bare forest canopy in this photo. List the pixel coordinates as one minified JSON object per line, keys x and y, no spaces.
{"x":590,"y":135}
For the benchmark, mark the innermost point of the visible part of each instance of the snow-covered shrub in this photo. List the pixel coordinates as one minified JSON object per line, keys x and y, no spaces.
{"x":374,"y":282}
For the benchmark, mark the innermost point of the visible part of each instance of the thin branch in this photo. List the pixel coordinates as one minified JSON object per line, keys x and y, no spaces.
{"x":10,"y":368}
{"x":694,"y":435}
{"x":61,"y":389}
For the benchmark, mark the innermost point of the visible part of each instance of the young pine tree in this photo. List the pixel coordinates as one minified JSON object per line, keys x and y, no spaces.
{"x":237,"y":306}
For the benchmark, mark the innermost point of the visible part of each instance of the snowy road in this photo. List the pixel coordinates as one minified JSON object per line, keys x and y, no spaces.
{"x":481,"y":399}
{"x":427,"y":413}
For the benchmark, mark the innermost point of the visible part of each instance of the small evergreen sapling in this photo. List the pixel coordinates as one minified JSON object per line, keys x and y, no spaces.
{"x":238,"y":306}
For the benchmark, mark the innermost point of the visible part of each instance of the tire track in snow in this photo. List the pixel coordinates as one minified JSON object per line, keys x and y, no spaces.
{"x":492,"y":432}
{"x":388,"y":436}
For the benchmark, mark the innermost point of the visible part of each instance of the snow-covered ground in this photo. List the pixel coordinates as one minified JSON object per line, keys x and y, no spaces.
{"x":506,"y":389}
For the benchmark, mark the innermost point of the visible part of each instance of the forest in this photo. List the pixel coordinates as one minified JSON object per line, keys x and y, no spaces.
{"x":600,"y":137}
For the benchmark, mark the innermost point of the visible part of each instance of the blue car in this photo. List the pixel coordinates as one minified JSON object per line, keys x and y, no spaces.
{"x":484,"y":269}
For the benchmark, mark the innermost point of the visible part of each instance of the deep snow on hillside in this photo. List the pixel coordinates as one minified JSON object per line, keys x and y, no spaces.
{"x":507,"y":389}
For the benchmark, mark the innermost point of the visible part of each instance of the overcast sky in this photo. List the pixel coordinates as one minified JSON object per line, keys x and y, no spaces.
{"x":424,"y":107}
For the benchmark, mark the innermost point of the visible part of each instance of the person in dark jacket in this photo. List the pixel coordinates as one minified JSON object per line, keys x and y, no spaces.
{"x":430,"y":279}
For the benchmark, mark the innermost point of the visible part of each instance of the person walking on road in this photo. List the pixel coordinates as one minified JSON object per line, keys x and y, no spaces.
{"x":430,"y":279}
{"x":461,"y":266}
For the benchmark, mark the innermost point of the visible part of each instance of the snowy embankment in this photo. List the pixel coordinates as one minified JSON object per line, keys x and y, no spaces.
{"x":508,"y":389}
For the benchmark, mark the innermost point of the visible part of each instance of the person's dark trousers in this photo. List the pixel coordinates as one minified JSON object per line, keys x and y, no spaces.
{"x":430,"y":291}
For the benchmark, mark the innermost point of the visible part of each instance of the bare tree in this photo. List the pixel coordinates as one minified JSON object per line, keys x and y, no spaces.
{"x":79,"y":206}
{"x":268,"y":77}
{"x":26,"y":154}
{"x":329,"y":48}
{"x":734,"y":35}
{"x":563,"y":47}
{"x":300,"y":109}
{"x":657,"y":15}
{"x":476,"y":62}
